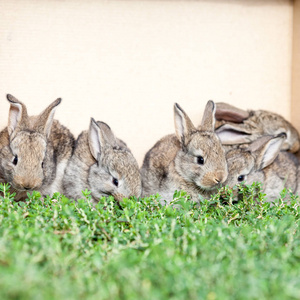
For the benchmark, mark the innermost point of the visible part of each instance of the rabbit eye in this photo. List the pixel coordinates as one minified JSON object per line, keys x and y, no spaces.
{"x":115,"y":181}
{"x":15,"y":161}
{"x":241,"y":178}
{"x":200,"y":160}
{"x":42,"y":165}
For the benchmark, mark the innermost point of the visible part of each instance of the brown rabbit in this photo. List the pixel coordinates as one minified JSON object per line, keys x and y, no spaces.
{"x":192,"y":160}
{"x":34,"y":150}
{"x":262,"y":161}
{"x":102,"y":164}
{"x":237,"y":126}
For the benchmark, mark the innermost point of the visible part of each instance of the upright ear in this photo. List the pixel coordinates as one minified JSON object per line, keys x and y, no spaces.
{"x":231,"y":134}
{"x":108,"y":135}
{"x":208,"y":119}
{"x":100,"y":135}
{"x":183,"y":124}
{"x":230,"y":113}
{"x":17,"y":114}
{"x":45,"y":119}
{"x":94,"y":137}
{"x":268,"y":151}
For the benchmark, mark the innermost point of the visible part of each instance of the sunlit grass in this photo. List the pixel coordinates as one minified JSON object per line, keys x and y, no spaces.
{"x":55,"y":248}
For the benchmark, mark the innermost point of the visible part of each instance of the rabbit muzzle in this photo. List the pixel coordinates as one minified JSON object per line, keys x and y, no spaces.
{"x":119,"y":197}
{"x":212,"y":180}
{"x":220,"y":177}
{"x":26,"y":184}
{"x":292,"y":148}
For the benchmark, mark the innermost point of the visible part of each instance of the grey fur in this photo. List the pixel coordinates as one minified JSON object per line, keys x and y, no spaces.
{"x":98,"y":158}
{"x":237,"y":126}
{"x":34,"y":150}
{"x":262,"y":161}
{"x":172,"y":163}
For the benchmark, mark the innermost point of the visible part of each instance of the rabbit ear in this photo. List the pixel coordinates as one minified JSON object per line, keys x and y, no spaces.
{"x":109,"y":138}
{"x":99,"y":136}
{"x":208,"y":119}
{"x":230,"y":113}
{"x":183,"y":125}
{"x":259,"y":143}
{"x":94,"y":136}
{"x":45,"y":119}
{"x":230,"y":134}
{"x":266,"y":149}
{"x":17,"y":114}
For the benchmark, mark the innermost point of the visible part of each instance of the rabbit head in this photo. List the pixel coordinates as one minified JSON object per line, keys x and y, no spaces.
{"x":246,"y":163}
{"x":116,"y":172}
{"x":201,"y":159}
{"x":27,"y":160}
{"x":236,"y":126}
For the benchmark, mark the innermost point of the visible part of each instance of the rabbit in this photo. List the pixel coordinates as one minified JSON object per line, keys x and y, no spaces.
{"x":102,"y":164}
{"x":237,"y":126}
{"x":34,"y":150}
{"x":264,"y":161}
{"x":191,"y":160}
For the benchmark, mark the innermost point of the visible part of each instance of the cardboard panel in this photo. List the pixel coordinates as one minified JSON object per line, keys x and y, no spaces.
{"x":127,"y":62}
{"x":295,"y":111}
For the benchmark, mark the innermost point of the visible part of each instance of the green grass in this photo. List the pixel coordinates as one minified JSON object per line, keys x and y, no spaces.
{"x":59,"y":249}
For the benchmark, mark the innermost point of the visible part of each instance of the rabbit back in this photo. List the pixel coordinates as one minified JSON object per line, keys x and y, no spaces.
{"x":155,"y":170}
{"x":282,"y":173}
{"x":76,"y":173}
{"x":63,"y":146}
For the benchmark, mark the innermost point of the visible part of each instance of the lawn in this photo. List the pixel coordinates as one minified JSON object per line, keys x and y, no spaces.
{"x":59,"y":249}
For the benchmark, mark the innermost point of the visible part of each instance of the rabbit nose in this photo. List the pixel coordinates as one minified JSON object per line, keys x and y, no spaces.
{"x":217,"y":180}
{"x":118,"y":197}
{"x":220,"y":177}
{"x":28,"y":186}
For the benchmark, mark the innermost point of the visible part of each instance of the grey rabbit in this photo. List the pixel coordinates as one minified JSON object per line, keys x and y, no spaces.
{"x":264,"y":161}
{"x":192,"y":159}
{"x":237,"y":126}
{"x":102,"y":164}
{"x":34,"y":150}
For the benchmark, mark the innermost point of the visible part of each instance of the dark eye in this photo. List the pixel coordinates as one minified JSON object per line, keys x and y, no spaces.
{"x":15,"y":161}
{"x":42,"y":164}
{"x":115,"y":181}
{"x":200,"y":160}
{"x":241,"y":178}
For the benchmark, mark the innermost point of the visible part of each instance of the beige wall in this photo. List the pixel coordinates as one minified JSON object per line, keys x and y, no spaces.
{"x":295,"y":112}
{"x":127,"y":62}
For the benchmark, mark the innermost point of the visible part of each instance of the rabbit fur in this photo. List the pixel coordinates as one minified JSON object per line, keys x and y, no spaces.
{"x":237,"y":126}
{"x":191,"y":160}
{"x":34,"y":150}
{"x":102,"y":164}
{"x":264,"y":161}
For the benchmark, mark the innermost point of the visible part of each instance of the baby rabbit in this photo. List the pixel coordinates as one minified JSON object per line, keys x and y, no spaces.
{"x":237,"y":126}
{"x":192,"y":160}
{"x":262,"y":161}
{"x":102,"y":164}
{"x":34,"y":150}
